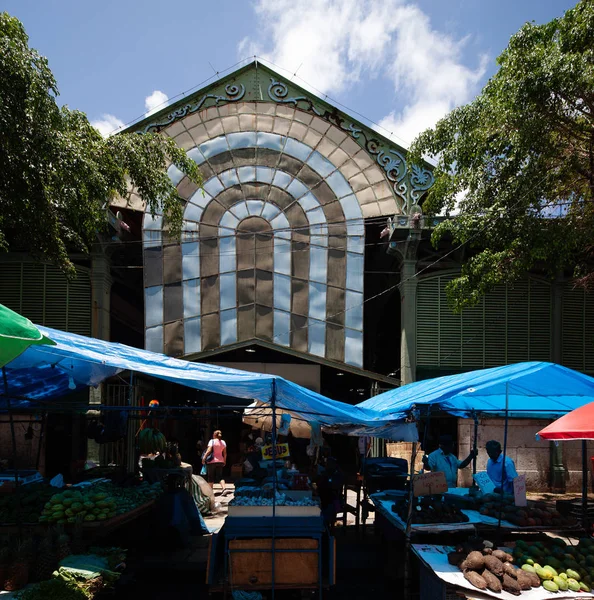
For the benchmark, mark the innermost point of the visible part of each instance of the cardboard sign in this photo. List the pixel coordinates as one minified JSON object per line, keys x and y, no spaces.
{"x":520,"y":491}
{"x":484,"y":482}
{"x":282,"y":451}
{"x":428,"y":484}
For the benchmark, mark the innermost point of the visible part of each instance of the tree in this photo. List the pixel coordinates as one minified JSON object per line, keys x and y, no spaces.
{"x":518,"y":162}
{"x":57,"y":173}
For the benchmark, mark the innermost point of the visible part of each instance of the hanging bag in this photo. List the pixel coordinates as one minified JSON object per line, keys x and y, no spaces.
{"x":210,"y":457}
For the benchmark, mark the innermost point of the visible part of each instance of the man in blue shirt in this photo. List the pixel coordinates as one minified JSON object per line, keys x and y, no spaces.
{"x":501,"y":475}
{"x":445,"y":461}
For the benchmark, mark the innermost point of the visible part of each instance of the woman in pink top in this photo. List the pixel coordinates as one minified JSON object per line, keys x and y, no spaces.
{"x":218,"y":448}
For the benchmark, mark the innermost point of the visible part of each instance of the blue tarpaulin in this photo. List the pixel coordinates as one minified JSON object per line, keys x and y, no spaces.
{"x":533,"y":389}
{"x":46,"y":373}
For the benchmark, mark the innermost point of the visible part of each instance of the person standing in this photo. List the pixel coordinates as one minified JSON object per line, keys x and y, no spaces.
{"x":214,"y":467}
{"x":501,"y":474}
{"x":445,"y":461}
{"x":363,"y":446}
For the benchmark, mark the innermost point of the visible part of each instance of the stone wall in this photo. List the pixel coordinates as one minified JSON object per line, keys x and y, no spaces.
{"x":403,"y":450}
{"x":531,"y":457}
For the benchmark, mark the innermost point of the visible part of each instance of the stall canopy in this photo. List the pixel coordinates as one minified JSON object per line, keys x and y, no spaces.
{"x":532,"y":389}
{"x":42,"y":374}
{"x":577,"y":425}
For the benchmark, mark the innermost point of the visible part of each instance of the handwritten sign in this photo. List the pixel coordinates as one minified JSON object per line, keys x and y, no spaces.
{"x":282,"y":451}
{"x":484,"y":482}
{"x":428,"y":484}
{"x":520,"y":491}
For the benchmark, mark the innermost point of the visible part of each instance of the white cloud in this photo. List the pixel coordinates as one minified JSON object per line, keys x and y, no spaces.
{"x":335,"y":43}
{"x":107,"y":125}
{"x":156,"y":101}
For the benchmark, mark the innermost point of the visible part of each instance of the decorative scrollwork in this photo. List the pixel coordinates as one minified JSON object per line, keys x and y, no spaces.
{"x":234,"y":93}
{"x":421,"y":180}
{"x":393,"y":163}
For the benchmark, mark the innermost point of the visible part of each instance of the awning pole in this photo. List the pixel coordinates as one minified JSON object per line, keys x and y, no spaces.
{"x":585,"y":523}
{"x":407,"y":552}
{"x":39,"y":446}
{"x":503,"y":474}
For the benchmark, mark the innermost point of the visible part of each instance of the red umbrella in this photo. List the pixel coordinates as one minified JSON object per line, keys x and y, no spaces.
{"x":576,"y":425}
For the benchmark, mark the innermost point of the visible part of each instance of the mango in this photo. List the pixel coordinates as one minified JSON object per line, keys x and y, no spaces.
{"x":584,"y":587}
{"x":544,"y":574}
{"x":551,"y":570}
{"x":528,"y":568}
{"x":550,"y":586}
{"x":561,"y":583}
{"x":573,"y":574}
{"x":573,"y":585}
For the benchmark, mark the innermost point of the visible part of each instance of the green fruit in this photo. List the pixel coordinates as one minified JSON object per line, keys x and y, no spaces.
{"x":529,"y":561}
{"x":563,"y":576}
{"x":43,"y":519}
{"x":101,"y":517}
{"x":528,"y":568}
{"x":590,"y":560}
{"x":550,"y":586}
{"x":71,"y":520}
{"x":573,"y":585}
{"x":69,"y":512}
{"x":90,"y":518}
{"x":67,"y":501}
{"x":57,"y":499}
{"x":536,"y":566}
{"x":544,"y":573}
{"x":57,"y":508}
{"x":553,"y":562}
{"x":58,"y":514}
{"x":573,"y":574}
{"x":559,"y":542}
{"x":111,"y":515}
{"x":561,"y":583}
{"x":584,"y":587}
{"x":550,"y":570}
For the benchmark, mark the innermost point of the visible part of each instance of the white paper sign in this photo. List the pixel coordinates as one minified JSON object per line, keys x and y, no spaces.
{"x":484,"y":482}
{"x":520,"y":491}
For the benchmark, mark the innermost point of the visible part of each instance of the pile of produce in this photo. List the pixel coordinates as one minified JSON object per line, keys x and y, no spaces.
{"x":97,"y":502}
{"x":251,"y":497}
{"x":491,"y":569}
{"x":31,"y":497}
{"x":536,"y":514}
{"x":429,"y":509}
{"x":558,"y":565}
{"x":488,"y":568}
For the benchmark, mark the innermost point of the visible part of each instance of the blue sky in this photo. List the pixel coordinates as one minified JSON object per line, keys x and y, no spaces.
{"x":400,"y":63}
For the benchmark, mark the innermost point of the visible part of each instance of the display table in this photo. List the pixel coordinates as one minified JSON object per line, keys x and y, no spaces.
{"x":438,"y":578}
{"x":244,"y":549}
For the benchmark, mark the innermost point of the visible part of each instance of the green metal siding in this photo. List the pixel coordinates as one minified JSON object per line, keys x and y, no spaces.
{"x":578,"y":329}
{"x":510,"y":324}
{"x":43,"y":294}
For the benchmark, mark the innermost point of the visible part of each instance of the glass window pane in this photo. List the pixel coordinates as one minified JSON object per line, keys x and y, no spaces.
{"x":282,"y":256}
{"x":190,"y":260}
{"x":228,"y":223}
{"x":153,"y":223}
{"x":192,"y":340}
{"x":356,"y":227}
{"x":318,"y":264}
{"x":244,"y":139}
{"x":353,"y":316}
{"x":356,"y":244}
{"x":282,"y":328}
{"x":154,"y":339}
{"x":153,"y":298}
{"x":246,"y":174}
{"x":320,"y":164}
{"x":308,"y":202}
{"x":297,"y":149}
{"x":175,"y":175}
{"x":228,"y":289}
{"x":354,"y":275}
{"x":316,"y":337}
{"x":200,"y":198}
{"x":317,"y":301}
{"x":282,"y":292}
{"x":193,"y":212}
{"x":191,"y":298}
{"x":281,"y":179}
{"x":229,"y":178}
{"x":339,"y":185}
{"x":213,"y":187}
{"x":350,"y":207}
{"x":296,"y":189}
{"x":270,"y":140}
{"x":216,"y":146}
{"x":240,"y":210}
{"x":255,"y":207}
{"x":270,"y":211}
{"x":196,"y":156}
{"x":227,"y":256}
{"x":316,"y":216}
{"x":353,"y":348}
{"x":228,"y":326}
{"x":280,"y":222}
{"x":264,"y":174}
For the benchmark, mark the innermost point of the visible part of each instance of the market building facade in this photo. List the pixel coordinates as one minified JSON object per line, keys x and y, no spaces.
{"x":282,"y":266}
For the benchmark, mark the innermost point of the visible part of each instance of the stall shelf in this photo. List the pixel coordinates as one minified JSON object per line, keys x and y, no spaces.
{"x":302,"y":538}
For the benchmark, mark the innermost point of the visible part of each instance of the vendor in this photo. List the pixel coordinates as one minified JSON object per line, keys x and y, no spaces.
{"x":445,"y":461}
{"x":502,"y":475}
{"x":330,"y":485}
